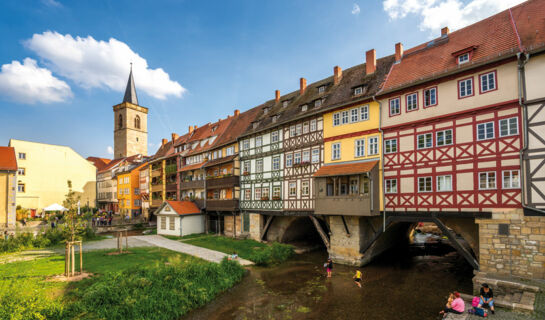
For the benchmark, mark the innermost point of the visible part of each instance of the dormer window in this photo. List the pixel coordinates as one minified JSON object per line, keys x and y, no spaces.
{"x":275,"y":117}
{"x":463,"y":58}
{"x":304,"y":108}
{"x":214,"y":128}
{"x":321,"y":89}
{"x":358,"y":91}
{"x":285,"y":103}
{"x":265,"y":110}
{"x":255,"y":124}
{"x":318,"y":103}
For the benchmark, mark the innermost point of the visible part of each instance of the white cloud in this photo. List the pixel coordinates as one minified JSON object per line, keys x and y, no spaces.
{"x":52,"y":3}
{"x":110,"y":150}
{"x":101,"y":64}
{"x":28,"y":83}
{"x":355,"y":9}
{"x":456,"y":14}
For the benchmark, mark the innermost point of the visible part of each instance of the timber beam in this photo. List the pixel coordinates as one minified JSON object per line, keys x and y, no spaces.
{"x":266,"y":228}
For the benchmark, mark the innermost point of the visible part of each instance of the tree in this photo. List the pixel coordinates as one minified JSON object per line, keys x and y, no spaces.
{"x":74,"y":225}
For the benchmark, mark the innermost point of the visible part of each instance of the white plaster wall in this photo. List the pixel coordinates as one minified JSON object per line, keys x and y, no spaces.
{"x":192,"y":224}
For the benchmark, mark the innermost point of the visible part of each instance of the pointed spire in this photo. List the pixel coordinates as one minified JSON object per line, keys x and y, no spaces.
{"x":130,"y":92}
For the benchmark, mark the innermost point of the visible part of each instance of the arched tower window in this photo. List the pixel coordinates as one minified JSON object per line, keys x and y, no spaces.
{"x":120,"y":122}
{"x":137,"y":122}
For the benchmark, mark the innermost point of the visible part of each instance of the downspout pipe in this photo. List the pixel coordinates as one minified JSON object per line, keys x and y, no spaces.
{"x":381,"y":162}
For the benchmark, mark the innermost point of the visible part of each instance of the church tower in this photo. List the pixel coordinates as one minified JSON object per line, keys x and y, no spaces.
{"x":130,"y":124}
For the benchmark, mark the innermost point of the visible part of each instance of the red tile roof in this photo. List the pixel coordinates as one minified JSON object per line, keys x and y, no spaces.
{"x":7,"y":159}
{"x":184,"y":207}
{"x":193,"y":166}
{"x":529,"y":18}
{"x":494,"y":38}
{"x":100,"y":163}
{"x":345,"y":169}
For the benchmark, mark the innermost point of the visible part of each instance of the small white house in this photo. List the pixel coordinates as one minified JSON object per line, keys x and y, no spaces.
{"x":179,"y":218}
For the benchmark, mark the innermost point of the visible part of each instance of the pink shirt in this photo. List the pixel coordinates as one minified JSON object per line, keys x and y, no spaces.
{"x":458,"y":305}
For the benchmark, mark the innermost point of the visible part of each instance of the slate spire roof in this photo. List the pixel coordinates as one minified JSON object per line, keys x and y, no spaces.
{"x":130,"y":91}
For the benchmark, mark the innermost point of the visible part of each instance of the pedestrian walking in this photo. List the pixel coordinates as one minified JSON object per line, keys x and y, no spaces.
{"x":329,"y":267}
{"x":357,"y":278}
{"x":23,"y":222}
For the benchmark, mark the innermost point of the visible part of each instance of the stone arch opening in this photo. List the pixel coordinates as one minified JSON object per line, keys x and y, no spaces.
{"x":302,"y":232}
{"x":120,"y":121}
{"x":137,"y":122}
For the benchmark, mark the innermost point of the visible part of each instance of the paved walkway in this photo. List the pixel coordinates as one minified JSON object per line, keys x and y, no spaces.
{"x":203,"y":253}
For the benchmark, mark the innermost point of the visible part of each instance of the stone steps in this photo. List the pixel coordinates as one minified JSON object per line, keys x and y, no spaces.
{"x":516,"y":301}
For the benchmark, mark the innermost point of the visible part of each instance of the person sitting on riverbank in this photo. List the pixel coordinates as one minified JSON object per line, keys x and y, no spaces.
{"x":233,"y":256}
{"x":357,"y":278}
{"x":487,"y":298}
{"x":455,"y":305}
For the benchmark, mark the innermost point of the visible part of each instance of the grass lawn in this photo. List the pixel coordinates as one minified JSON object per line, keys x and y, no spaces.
{"x":244,"y":248}
{"x":184,"y":282}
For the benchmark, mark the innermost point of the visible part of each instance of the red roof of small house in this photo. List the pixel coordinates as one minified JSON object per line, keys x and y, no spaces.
{"x":7,"y":159}
{"x":184,"y":207}
{"x":345,"y":169}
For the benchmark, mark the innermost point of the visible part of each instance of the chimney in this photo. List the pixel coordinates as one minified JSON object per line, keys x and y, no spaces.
{"x":237,"y":112}
{"x":444,"y":32}
{"x":174,"y":137}
{"x":337,"y":74}
{"x":195,"y":127}
{"x":190,"y":129}
{"x":303,"y":85}
{"x":370,"y":61}
{"x":399,"y":51}
{"x":164,"y":141}
{"x":277,"y":95}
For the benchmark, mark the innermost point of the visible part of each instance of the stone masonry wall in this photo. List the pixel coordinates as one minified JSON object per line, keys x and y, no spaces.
{"x":228,"y":225}
{"x":256,"y":226}
{"x":519,"y":254}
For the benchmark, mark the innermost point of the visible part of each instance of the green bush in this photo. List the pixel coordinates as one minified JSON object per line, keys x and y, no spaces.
{"x":24,"y":302}
{"x":272,"y":254}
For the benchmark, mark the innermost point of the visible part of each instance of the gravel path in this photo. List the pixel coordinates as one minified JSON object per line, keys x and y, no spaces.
{"x":203,"y":253}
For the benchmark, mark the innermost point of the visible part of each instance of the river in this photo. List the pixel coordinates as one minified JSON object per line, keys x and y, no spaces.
{"x":400,"y":284}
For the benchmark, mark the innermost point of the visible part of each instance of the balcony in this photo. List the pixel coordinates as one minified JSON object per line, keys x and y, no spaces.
{"x":222,"y":205}
{"x":157,"y":187}
{"x":194,"y":184}
{"x":156,"y":202}
{"x":345,"y":205}
{"x":171,"y":187}
{"x":156,"y":173}
{"x":224,"y":182}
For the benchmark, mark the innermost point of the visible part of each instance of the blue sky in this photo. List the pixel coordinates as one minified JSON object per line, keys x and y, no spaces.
{"x":215,"y":55}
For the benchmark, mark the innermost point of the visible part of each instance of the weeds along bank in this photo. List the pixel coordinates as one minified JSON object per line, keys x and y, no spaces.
{"x":48,"y":238}
{"x":149,"y":283}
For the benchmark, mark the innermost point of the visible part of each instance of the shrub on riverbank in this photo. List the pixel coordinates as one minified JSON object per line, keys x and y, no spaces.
{"x":51,"y":237}
{"x":272,"y":254}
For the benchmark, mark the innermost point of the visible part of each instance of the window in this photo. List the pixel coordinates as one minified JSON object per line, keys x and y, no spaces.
{"x":246,"y":144}
{"x":297,"y":158}
{"x":246,"y":167}
{"x":163,"y":223}
{"x":425,"y":141}
{"x":137,"y":122}
{"x":336,"y":119}
{"x":265,"y":193}
{"x":321,"y":89}
{"x":120,"y":122}
{"x":306,"y":156}
{"x":305,"y":107}
{"x":485,"y":131}
{"x":20,"y":187}
{"x":336,"y":151}
{"x":354,"y":185}
{"x":509,"y":127}
{"x":443,"y":138}
{"x":230,"y":151}
{"x":305,"y":127}
{"x":22,"y":156}
{"x":354,"y":116}
{"x":359,"y":148}
{"x":390,"y":146}
{"x":394,"y":107}
{"x":171,"y":223}
{"x":424,"y":184}
{"x":511,"y":179}
{"x":292,"y":131}
{"x":463,"y":58}
{"x":358,"y":91}
{"x":276,"y":163}
{"x":465,"y":88}
{"x":257,"y":194}
{"x":259,"y":165}
{"x":136,"y":191}
{"x":285,"y":103}
{"x":21,"y":171}
{"x":315,"y":155}
{"x":248,"y":194}
{"x":274,"y":136}
{"x":292,"y":189}
{"x":137,"y":202}
{"x":289,"y":160}
{"x":313,"y":125}
{"x":364,"y":113}
{"x":391,"y":185}
{"x":430,"y":97}
{"x":276,"y":193}
{"x":128,"y":202}
{"x":373,"y":146}
{"x":305,"y":188}
{"x":487,"y":180}
{"x":258,"y":141}
{"x":488,"y":81}
{"x":444,"y":183}
{"x":412,"y":101}
{"x":298,"y":129}
{"x":344,"y":117}
{"x":318,"y":103}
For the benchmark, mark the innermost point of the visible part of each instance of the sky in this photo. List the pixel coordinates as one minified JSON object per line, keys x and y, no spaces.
{"x":64,"y":64}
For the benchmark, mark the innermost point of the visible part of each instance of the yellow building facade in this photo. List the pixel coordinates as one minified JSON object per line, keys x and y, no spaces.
{"x":351,"y":134}
{"x":128,"y":191}
{"x":45,"y":170}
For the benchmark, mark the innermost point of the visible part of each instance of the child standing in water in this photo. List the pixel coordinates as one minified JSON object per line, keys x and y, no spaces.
{"x":329,"y":266}
{"x":357,"y":278}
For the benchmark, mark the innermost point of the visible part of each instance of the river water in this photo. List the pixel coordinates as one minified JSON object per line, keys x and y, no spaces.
{"x":401,"y":284}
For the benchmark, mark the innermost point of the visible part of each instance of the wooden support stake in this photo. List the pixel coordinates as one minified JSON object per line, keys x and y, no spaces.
{"x":66,"y":259}
{"x":80,"y":258}
{"x":73,"y":260}
{"x":126,"y":241}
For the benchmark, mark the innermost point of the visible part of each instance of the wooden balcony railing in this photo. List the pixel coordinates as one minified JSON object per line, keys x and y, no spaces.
{"x":222,"y":205}
{"x":195,"y":184}
{"x":224,"y":182}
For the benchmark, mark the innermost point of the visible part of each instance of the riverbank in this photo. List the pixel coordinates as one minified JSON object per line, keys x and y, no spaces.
{"x":145,"y":283}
